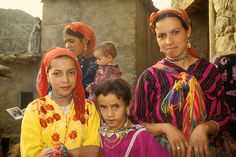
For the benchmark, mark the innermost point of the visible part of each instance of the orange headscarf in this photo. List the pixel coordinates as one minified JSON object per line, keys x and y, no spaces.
{"x":42,"y":82}
{"x":86,"y":31}
{"x":177,"y":11}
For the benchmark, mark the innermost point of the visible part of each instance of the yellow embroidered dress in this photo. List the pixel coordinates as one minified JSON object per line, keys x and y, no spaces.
{"x":44,"y":124}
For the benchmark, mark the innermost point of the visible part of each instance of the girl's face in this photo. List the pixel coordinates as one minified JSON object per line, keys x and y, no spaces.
{"x":113,"y":110}
{"x":171,"y":37}
{"x":101,"y":58}
{"x":74,"y":44}
{"x":62,"y":76}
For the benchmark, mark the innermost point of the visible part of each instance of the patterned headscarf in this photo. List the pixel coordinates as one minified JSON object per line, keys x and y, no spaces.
{"x":177,"y":11}
{"x":78,"y":92}
{"x":86,"y":31}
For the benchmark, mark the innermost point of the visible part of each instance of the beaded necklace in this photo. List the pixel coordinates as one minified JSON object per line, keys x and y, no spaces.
{"x":113,"y":138}
{"x":177,"y":59}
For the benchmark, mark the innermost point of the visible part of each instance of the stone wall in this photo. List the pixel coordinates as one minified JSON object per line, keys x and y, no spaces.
{"x":225,"y":26}
{"x":123,"y":22}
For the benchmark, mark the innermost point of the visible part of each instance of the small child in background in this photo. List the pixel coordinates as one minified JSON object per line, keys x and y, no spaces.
{"x":119,"y":137}
{"x":105,"y":54}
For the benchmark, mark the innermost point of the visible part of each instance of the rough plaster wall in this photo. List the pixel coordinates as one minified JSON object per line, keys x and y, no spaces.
{"x":225,"y":26}
{"x":23,"y":80}
{"x":115,"y":20}
{"x":148,"y":52}
{"x":56,"y":14}
{"x":142,"y":56}
{"x":111,"y":20}
{"x":200,"y":36}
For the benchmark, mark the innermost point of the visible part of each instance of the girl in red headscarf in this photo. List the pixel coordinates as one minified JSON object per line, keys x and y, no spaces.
{"x":80,"y":39}
{"x":180,"y":98}
{"x":61,"y":120}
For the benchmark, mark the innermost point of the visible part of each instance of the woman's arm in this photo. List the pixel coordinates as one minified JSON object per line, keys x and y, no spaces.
{"x":177,"y":140}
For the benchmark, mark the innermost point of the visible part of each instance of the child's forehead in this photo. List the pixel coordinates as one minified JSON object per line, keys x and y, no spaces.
{"x":110,"y":97}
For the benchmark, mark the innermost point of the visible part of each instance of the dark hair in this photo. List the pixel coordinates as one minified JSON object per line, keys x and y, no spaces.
{"x":168,"y":14}
{"x":72,"y":33}
{"x":116,"y":86}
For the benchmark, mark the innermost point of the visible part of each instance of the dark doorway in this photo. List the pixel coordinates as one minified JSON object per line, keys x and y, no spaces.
{"x":25,"y":99}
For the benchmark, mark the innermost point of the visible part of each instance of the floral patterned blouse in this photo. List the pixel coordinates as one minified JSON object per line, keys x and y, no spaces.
{"x":44,"y":125}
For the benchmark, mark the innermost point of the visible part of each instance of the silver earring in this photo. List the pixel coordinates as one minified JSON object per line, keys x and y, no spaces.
{"x":189,"y":44}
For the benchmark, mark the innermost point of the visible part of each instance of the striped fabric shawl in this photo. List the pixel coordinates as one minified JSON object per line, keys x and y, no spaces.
{"x":186,"y":96}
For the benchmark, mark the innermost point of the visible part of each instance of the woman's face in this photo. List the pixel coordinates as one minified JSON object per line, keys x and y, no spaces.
{"x":74,"y":44}
{"x":62,"y":76}
{"x":171,"y":37}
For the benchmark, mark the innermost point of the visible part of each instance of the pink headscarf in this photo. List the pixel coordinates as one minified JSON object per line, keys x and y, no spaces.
{"x":42,"y":82}
{"x":86,"y":31}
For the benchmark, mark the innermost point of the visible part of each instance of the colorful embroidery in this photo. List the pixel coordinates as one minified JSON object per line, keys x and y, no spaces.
{"x":55,"y":137}
{"x":56,"y":116}
{"x":49,"y":107}
{"x":43,"y":110}
{"x":49,"y":120}
{"x":43,"y":123}
{"x":73,"y":134}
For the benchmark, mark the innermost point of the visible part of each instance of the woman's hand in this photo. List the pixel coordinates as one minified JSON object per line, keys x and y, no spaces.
{"x":177,"y":140}
{"x":85,"y":151}
{"x":198,"y":142}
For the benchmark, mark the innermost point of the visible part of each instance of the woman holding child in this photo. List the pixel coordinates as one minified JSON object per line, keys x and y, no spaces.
{"x":80,"y":39}
{"x":179,"y":99}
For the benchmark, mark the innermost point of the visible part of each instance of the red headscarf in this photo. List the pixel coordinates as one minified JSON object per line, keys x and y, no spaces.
{"x":86,"y":31}
{"x":177,"y":11}
{"x":78,"y":92}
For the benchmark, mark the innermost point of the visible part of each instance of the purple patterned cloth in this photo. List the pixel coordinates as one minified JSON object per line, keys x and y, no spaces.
{"x":144,"y":146}
{"x":106,"y":72}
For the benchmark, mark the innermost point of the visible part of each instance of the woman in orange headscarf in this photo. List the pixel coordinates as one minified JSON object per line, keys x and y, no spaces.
{"x":61,"y":120}
{"x":80,"y":39}
{"x":179,"y":99}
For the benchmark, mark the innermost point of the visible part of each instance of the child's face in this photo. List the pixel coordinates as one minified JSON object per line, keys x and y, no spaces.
{"x":101,"y":58}
{"x":113,"y":110}
{"x":62,"y":76}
